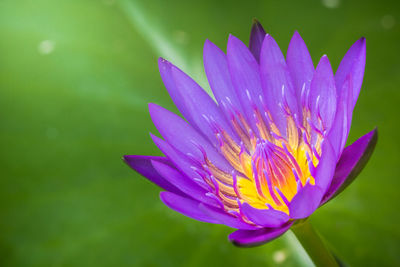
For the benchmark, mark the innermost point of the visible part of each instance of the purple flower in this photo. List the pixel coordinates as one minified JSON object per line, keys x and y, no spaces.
{"x":271,"y":149}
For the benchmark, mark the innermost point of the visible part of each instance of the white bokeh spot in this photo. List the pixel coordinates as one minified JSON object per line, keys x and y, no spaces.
{"x":279,"y":256}
{"x":46,"y":47}
{"x":388,"y":21}
{"x":331,"y":3}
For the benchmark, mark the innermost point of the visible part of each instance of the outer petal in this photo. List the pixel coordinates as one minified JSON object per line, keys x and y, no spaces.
{"x":246,"y":238}
{"x":185,"y":206}
{"x":216,"y":67}
{"x":181,"y":161}
{"x":341,"y":125}
{"x":184,"y":164}
{"x":245,"y":76}
{"x":165,"y":68}
{"x":351,"y":163}
{"x":300,"y":65}
{"x":274,"y":76}
{"x":183,"y":183}
{"x":184,"y":138}
{"x":142,"y":164}
{"x":193,"y":102}
{"x":323,"y":94}
{"x":257,"y":35}
{"x":266,"y":218}
{"x":224,"y":218}
{"x":353,"y":63}
{"x":326,"y":166}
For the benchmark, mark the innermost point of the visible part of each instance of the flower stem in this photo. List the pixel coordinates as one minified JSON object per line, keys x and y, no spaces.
{"x":314,"y":245}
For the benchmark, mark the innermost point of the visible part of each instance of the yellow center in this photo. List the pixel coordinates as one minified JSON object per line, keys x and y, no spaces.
{"x":270,"y":170}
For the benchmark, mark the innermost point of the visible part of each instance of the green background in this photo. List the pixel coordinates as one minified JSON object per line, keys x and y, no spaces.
{"x":75,"y":80}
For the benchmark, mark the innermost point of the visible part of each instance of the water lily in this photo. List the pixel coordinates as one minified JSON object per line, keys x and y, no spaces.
{"x":270,"y":149}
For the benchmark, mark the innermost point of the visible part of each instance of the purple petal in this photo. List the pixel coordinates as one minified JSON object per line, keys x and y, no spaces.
{"x":142,"y":165}
{"x":184,"y":138}
{"x":216,"y":67}
{"x":225,"y":218}
{"x":305,"y":202}
{"x":185,"y":206}
{"x":341,"y":125}
{"x":165,"y":68}
{"x":326,"y":166}
{"x":256,"y":39}
{"x":351,"y":163}
{"x":246,"y":238}
{"x":323,"y":87}
{"x":180,"y":160}
{"x":274,"y":76}
{"x":353,"y":63}
{"x":182,"y":182}
{"x":300,"y":65}
{"x":183,"y":163}
{"x":267,"y":218}
{"x":193,"y":102}
{"x":245,"y":75}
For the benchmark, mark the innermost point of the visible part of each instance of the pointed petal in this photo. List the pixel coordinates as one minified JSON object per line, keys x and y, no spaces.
{"x":184,"y":138}
{"x":165,"y":69}
{"x":341,"y":125}
{"x":246,"y":238}
{"x":224,"y":218}
{"x":323,"y":87}
{"x":245,"y":75}
{"x":266,"y":218}
{"x":351,"y":163}
{"x":300,"y":65}
{"x":185,"y":206}
{"x":326,"y":166}
{"x":193,"y":102}
{"x":183,"y":164}
{"x":182,"y":182}
{"x":257,"y":35}
{"x":353,"y":63}
{"x":216,"y":67}
{"x":143,"y":166}
{"x":180,"y":160}
{"x":274,"y":76}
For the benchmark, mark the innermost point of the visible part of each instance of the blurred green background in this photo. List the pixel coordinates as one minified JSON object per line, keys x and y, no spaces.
{"x":75,"y":80}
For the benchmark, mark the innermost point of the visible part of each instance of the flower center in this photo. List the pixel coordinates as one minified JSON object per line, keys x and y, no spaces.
{"x":275,"y":178}
{"x":269,"y":169}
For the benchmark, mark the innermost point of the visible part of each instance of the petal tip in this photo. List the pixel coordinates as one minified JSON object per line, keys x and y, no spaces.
{"x":231,"y":38}
{"x":296,"y":35}
{"x":324,"y":64}
{"x":162,"y":61}
{"x":256,"y":21}
{"x":125,"y":158}
{"x":162,"y":196}
{"x":151,"y":106}
{"x":207,"y":43}
{"x":154,"y":110}
{"x":257,"y":26}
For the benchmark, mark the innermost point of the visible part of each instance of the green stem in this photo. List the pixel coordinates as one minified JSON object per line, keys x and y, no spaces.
{"x":314,"y":245}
